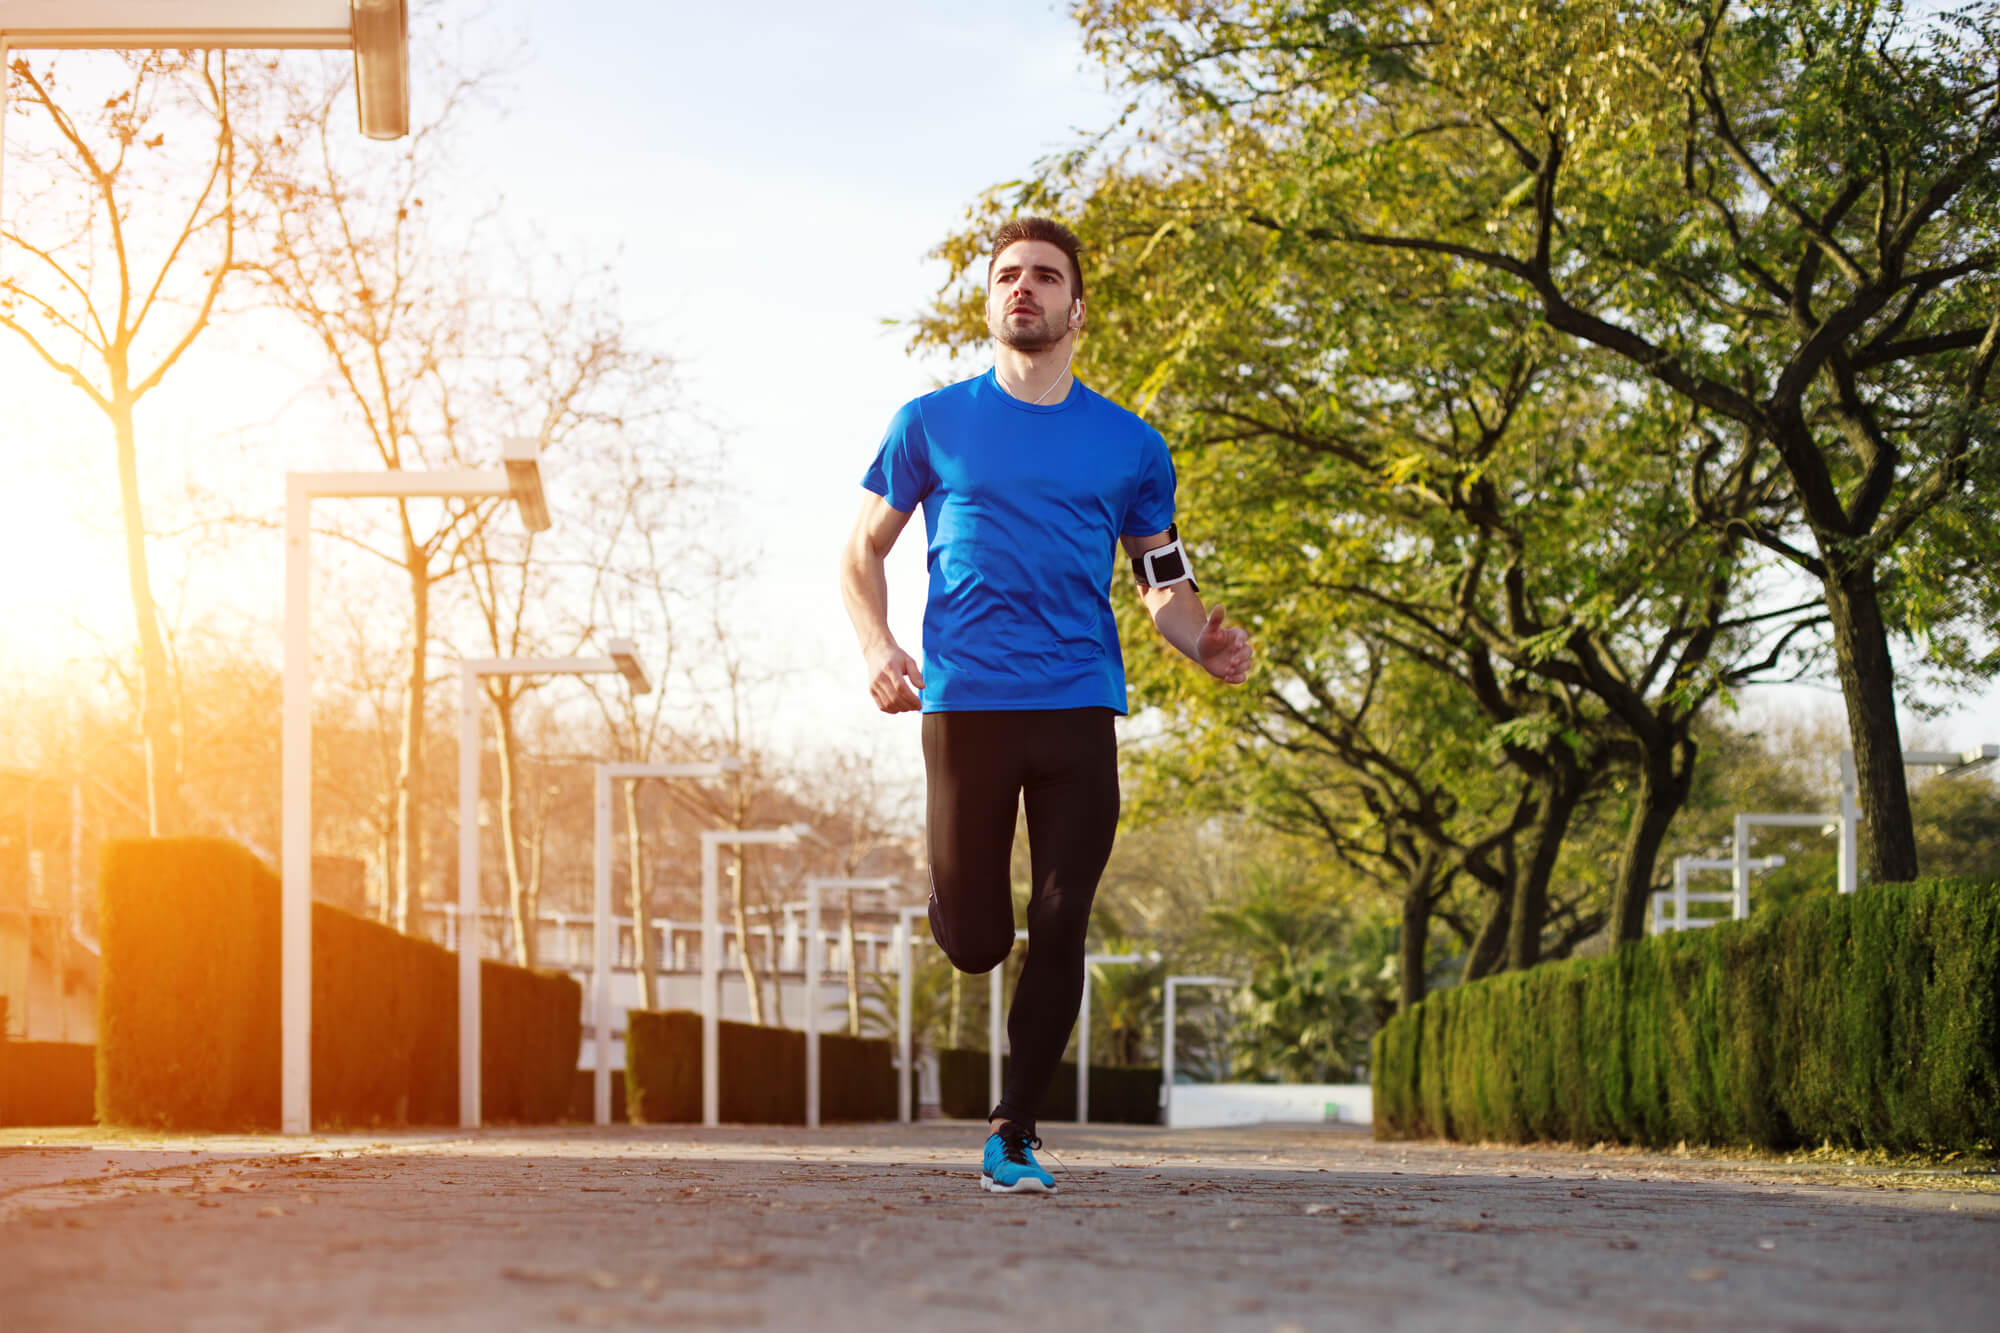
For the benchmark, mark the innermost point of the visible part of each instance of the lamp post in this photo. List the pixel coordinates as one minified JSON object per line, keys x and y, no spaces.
{"x":906,"y":922}
{"x":602,"y":932}
{"x":995,"y":1026}
{"x":520,"y":480}
{"x":788,"y":835}
{"x":375,"y":30}
{"x":620,"y":659}
{"x":1951,"y":764}
{"x":1738,"y":896}
{"x":1167,"y":1039}
{"x":1083,"y":1026}
{"x":813,"y":887}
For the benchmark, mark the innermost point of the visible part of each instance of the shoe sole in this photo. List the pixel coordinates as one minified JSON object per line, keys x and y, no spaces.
{"x":1028,"y":1185}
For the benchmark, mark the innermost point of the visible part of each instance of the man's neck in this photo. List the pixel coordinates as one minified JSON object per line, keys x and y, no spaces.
{"x":1039,"y":377}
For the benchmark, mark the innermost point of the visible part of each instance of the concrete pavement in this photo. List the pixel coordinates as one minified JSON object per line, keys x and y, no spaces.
{"x":884,"y":1227}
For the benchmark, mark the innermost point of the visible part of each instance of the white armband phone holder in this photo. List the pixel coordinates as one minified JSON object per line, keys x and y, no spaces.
{"x":1164,"y":566}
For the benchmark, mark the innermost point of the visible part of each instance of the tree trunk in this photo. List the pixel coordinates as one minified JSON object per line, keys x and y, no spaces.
{"x":1561,"y":790}
{"x":385,"y":849}
{"x":518,"y":914}
{"x":1868,"y":685}
{"x":1666,"y":772}
{"x":410,"y":761}
{"x":1489,"y":947}
{"x":1416,"y":932}
{"x":744,"y":956}
{"x":164,"y":816}
{"x":639,"y":892}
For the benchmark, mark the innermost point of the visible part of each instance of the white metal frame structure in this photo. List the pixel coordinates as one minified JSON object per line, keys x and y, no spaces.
{"x":813,"y":888}
{"x":1951,"y":764}
{"x":996,"y":1025}
{"x":1167,"y":1038}
{"x":788,"y":835}
{"x":1741,"y":863}
{"x":519,"y":479}
{"x":1083,"y":1025}
{"x":1679,"y":897}
{"x":375,"y":30}
{"x":603,"y":928}
{"x":905,"y":1048}
{"x":620,"y":658}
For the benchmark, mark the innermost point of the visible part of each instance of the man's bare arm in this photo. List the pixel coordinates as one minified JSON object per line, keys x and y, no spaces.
{"x":894,"y":677}
{"x":1181,"y":619}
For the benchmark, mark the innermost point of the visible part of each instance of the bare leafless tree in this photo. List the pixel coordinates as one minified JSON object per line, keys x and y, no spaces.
{"x":113,"y":263}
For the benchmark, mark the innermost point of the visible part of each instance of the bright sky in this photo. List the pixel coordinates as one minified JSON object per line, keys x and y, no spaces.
{"x":769,"y":181}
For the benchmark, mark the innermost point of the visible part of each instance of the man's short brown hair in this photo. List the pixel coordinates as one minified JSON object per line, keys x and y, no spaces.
{"x":1040,"y":229}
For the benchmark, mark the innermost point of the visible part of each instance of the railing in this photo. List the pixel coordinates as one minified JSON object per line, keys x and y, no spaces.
{"x":563,"y":940}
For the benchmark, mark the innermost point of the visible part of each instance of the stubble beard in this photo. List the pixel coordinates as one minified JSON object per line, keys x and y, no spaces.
{"x":1024,"y":338}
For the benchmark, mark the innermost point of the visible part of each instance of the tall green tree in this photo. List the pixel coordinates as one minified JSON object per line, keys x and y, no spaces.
{"x":1781,"y":214}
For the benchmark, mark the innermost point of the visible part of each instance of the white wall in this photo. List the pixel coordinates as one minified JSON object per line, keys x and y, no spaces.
{"x":1212,"y":1105}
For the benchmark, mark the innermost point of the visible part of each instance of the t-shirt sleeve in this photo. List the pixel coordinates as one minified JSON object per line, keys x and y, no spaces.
{"x":1151,"y":508}
{"x":901,"y":473}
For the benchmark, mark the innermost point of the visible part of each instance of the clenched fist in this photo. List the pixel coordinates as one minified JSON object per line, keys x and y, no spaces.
{"x":894,"y":679}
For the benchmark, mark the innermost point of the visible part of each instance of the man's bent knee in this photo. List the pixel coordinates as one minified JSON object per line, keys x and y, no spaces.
{"x":976,"y":959}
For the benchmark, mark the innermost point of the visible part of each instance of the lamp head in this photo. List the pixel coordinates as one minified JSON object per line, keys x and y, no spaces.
{"x":524,"y":482}
{"x":380,"y":31}
{"x":626,"y":654}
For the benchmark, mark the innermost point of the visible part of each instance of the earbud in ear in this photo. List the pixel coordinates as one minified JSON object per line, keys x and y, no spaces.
{"x":1076,"y":313}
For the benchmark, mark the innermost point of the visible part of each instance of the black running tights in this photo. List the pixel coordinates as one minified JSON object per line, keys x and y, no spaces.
{"x":978,"y":766}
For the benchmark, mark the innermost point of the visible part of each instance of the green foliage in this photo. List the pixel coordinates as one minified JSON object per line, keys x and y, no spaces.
{"x":188,"y":1013}
{"x":1519,"y":341}
{"x":763,"y":1073}
{"x":1318,"y":986}
{"x":1958,"y":828}
{"x":930,"y":1000}
{"x":1869,"y":1021}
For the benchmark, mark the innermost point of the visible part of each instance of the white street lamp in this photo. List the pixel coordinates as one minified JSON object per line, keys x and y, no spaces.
{"x":1951,"y":764}
{"x":813,"y":888}
{"x":375,"y":30}
{"x":1679,"y":897}
{"x":995,"y":1019}
{"x":602,"y":934}
{"x":996,"y":1026}
{"x":1167,"y":1039}
{"x":620,"y":659}
{"x":1083,"y":1024}
{"x":906,"y":921}
{"x":295,"y":857}
{"x":788,"y":835}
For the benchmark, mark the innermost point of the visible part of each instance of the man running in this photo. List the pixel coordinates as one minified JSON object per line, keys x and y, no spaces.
{"x":1028,"y":482}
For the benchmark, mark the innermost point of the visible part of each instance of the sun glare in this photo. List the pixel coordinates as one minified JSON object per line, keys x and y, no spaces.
{"x":65,"y":594}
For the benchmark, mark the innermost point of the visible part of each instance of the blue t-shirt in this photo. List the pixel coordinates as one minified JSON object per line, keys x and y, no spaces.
{"x":1024,"y":505}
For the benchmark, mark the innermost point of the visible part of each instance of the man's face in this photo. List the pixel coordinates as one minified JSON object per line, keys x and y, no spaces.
{"x":1028,"y":296}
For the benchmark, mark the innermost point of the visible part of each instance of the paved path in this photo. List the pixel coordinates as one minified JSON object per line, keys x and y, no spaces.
{"x":883,"y":1227}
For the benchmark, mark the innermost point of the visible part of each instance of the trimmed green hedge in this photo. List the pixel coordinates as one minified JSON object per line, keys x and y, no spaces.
{"x":1118,"y":1095}
{"x":188,"y":1008}
{"x":763,"y":1073}
{"x":46,"y":1082}
{"x":1867,"y":1021}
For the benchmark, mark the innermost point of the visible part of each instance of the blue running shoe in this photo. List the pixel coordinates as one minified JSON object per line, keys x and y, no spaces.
{"x":1010,"y":1167}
